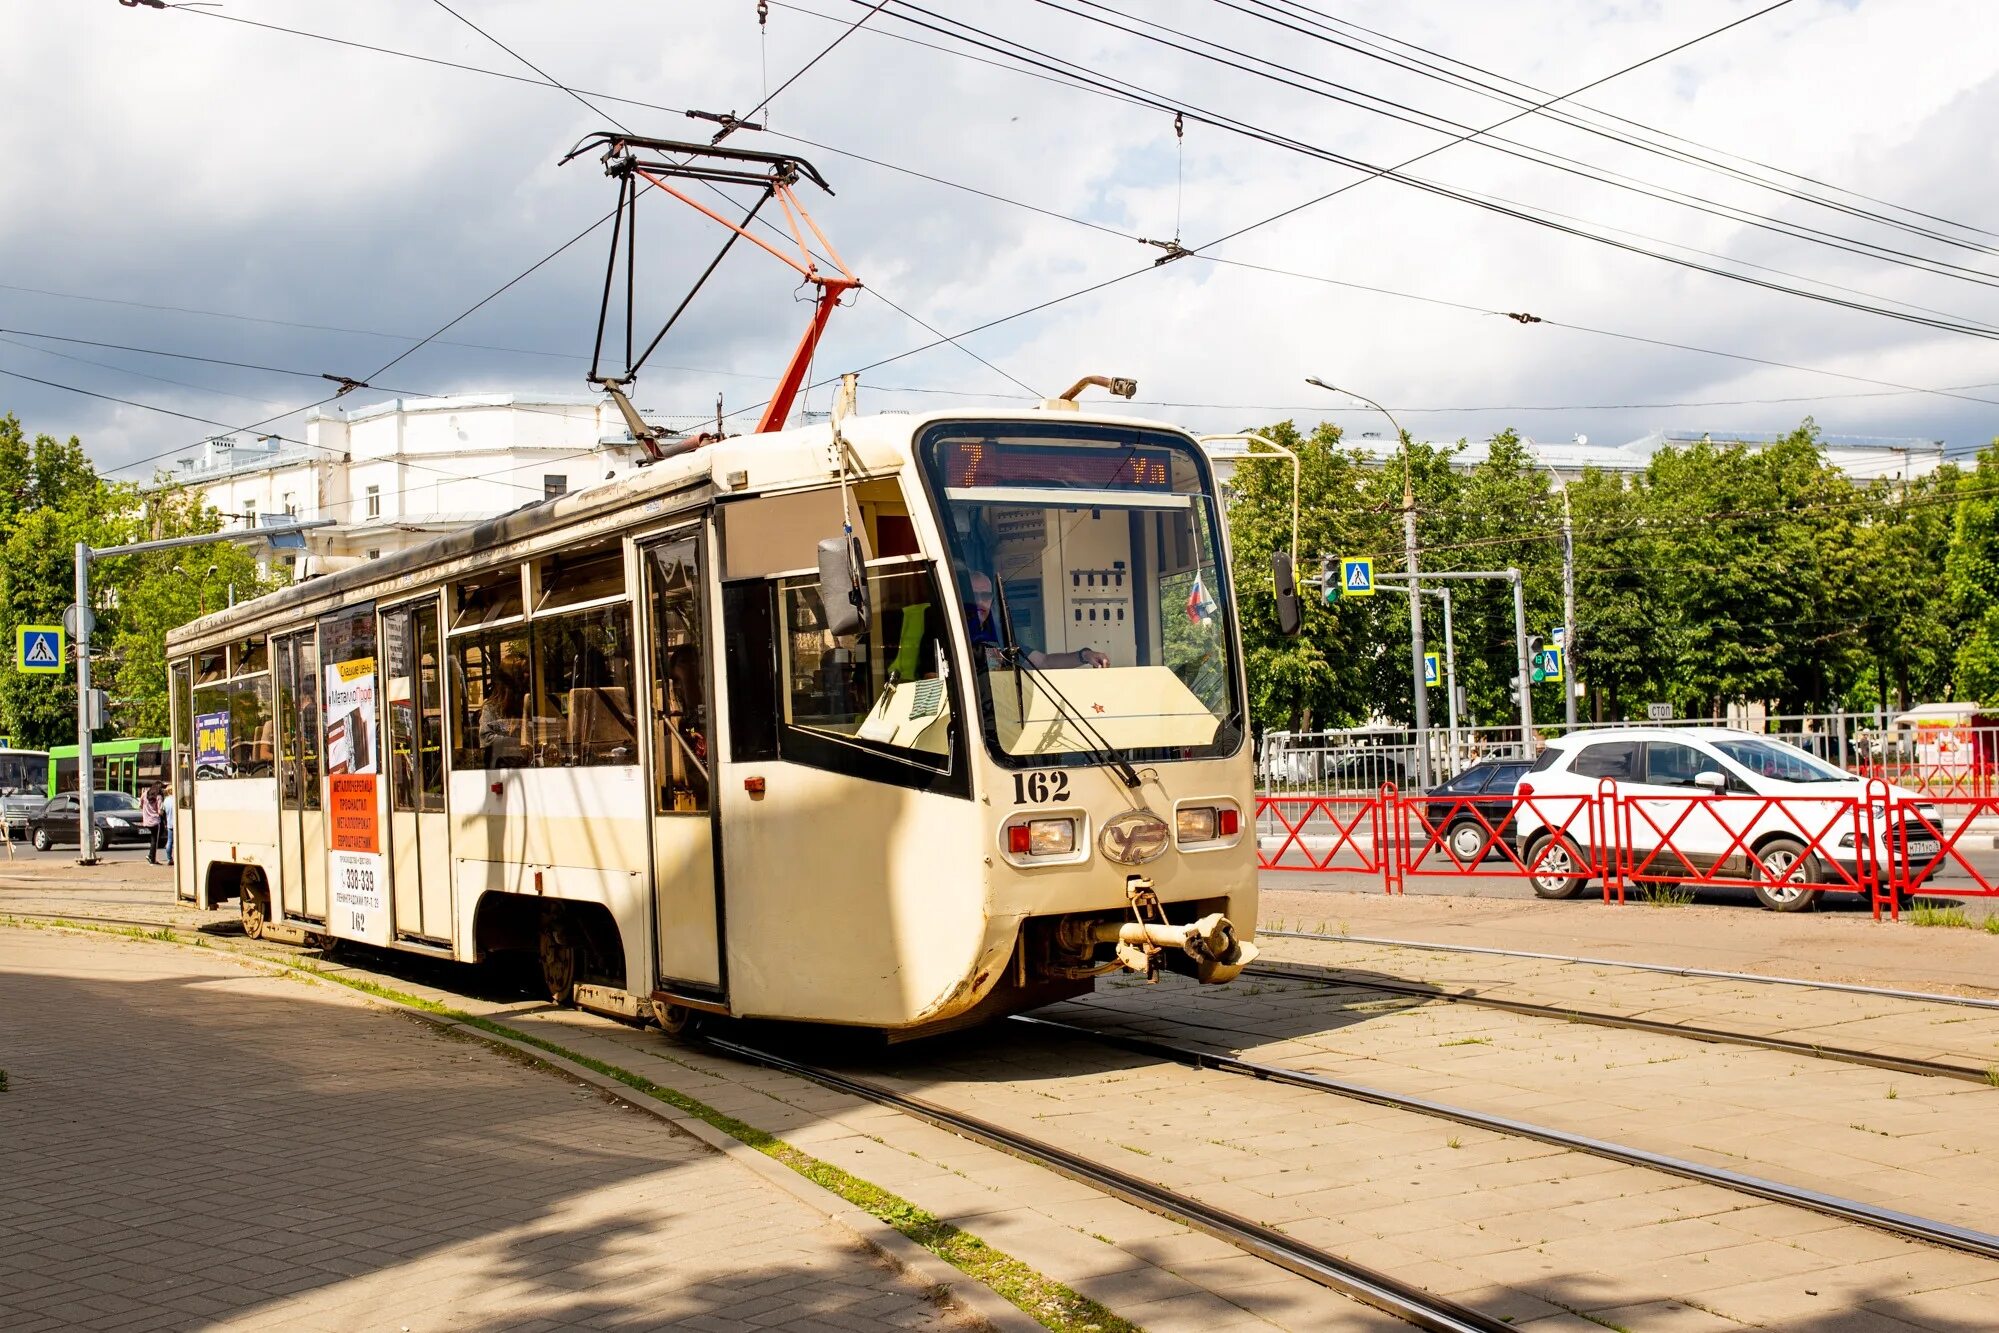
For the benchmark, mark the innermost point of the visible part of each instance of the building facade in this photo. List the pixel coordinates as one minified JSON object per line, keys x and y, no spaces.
{"x":396,"y":474}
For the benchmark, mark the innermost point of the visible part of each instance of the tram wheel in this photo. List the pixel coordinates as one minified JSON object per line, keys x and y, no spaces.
{"x":558,"y":961}
{"x":677,"y":1020}
{"x":254,"y":907}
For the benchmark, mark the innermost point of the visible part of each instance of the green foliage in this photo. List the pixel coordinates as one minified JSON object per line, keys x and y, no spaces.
{"x":1722,"y":573}
{"x":51,"y":498}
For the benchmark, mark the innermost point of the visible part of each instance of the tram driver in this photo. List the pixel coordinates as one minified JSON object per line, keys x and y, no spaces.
{"x":982,"y":626}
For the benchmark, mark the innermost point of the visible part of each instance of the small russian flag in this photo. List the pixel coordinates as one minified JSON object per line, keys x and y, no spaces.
{"x":1200,"y":607}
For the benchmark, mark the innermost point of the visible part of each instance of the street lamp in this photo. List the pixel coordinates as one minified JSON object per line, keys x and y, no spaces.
{"x":1569,"y":673}
{"x":1422,"y":718}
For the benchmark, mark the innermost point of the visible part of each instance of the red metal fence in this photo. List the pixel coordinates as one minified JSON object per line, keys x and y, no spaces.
{"x":1877,"y":844}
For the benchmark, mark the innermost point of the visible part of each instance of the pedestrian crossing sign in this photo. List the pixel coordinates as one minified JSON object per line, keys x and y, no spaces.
{"x":38,"y":649}
{"x":1356,"y":576}
{"x":1430,"y":669}
{"x":1552,"y":663}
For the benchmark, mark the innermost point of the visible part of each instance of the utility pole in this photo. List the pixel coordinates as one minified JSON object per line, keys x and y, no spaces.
{"x":86,"y":810}
{"x":1525,"y":667}
{"x":1420,"y":685}
{"x":1570,"y":676}
{"x":1450,"y":670}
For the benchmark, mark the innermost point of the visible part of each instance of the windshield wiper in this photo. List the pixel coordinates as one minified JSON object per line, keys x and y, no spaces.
{"x":1103,"y":753}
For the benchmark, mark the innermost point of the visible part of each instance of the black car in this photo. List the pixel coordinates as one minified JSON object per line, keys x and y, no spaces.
{"x":1471,"y":807}
{"x":116,"y":820}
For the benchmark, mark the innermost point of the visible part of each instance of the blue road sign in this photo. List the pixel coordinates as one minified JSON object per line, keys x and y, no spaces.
{"x":1356,"y":576}
{"x":1552,"y":663}
{"x":1431,"y":669}
{"x":38,"y":649}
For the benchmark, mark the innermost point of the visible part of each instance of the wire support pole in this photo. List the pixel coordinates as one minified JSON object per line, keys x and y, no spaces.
{"x":1525,"y":667}
{"x":1419,"y":684}
{"x":86,"y":812}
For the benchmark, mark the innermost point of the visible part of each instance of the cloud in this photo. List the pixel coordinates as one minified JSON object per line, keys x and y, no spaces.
{"x":195,"y":161}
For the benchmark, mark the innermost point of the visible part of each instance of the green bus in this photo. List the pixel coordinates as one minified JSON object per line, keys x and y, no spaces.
{"x":129,"y":766}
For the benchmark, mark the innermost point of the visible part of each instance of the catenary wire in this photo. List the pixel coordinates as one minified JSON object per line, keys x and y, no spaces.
{"x":959,"y":54}
{"x":1370,"y":171}
{"x":1269,"y":12}
{"x":1571,"y":106}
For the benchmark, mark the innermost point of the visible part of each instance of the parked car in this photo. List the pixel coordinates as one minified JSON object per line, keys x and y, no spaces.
{"x":1469,"y":809}
{"x":1659,"y":768}
{"x":115,"y":820}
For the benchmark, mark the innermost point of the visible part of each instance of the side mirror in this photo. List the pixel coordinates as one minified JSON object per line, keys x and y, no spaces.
{"x":1711,"y":781}
{"x":1290,"y":616}
{"x":841,"y":591}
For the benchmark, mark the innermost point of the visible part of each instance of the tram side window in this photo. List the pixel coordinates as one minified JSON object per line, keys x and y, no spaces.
{"x":883,"y":686}
{"x":583,"y":689}
{"x":307,"y":757}
{"x":235,"y":729}
{"x":487,"y":598}
{"x":489,"y":727}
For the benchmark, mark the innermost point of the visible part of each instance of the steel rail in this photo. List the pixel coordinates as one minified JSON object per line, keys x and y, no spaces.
{"x":1670,"y":969}
{"x":1402,"y":1299}
{"x":1852,"y":1210}
{"x":1597,"y":1018}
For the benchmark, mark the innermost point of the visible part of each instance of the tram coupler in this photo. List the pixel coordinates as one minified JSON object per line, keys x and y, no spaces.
{"x":1210,"y":944}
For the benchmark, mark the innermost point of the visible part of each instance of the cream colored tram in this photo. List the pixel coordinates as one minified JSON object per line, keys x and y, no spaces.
{"x":616,"y":733}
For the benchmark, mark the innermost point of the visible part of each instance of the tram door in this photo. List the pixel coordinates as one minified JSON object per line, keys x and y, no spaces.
{"x":683,"y":830}
{"x":419,"y":839}
{"x":182,"y":777}
{"x":301,"y":818}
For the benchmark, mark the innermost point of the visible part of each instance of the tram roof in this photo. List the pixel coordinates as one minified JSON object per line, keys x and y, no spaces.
{"x":778,"y":461}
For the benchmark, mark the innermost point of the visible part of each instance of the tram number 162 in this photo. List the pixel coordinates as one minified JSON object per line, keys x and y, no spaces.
{"x":1040,"y":787}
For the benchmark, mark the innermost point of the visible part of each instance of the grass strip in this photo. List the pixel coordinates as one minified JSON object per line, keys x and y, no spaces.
{"x":1052,"y":1304}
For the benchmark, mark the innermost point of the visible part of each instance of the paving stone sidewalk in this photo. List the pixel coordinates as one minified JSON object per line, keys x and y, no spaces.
{"x":185,"y":1143}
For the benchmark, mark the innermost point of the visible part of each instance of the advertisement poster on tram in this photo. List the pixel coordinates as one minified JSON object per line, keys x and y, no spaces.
{"x":211,"y":744}
{"x":354,"y":828}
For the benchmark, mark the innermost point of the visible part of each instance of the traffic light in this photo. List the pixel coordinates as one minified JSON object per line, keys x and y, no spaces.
{"x":1536,"y":674}
{"x":1329,"y":579}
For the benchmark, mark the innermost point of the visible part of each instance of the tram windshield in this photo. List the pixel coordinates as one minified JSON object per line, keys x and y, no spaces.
{"x":1087,"y":563}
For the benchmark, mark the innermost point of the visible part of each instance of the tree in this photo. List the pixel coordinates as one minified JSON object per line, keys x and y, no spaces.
{"x":1972,"y":575}
{"x":1320,"y":678}
{"x":157,"y":593}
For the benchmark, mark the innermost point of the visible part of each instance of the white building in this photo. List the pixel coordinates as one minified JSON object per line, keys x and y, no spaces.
{"x":1861,"y":457}
{"x":395,"y":474}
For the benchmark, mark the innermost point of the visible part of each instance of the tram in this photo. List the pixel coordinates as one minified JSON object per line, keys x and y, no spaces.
{"x":899,"y":721}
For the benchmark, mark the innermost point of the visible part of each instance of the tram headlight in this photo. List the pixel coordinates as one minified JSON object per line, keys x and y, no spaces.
{"x":1197,"y":823}
{"x":1051,"y":837}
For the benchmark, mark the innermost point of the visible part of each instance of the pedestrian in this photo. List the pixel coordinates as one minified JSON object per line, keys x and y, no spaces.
{"x":151,"y":819}
{"x":167,"y":824}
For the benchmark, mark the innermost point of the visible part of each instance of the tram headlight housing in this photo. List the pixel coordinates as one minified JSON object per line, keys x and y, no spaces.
{"x":1201,"y":825}
{"x":1041,"y":838}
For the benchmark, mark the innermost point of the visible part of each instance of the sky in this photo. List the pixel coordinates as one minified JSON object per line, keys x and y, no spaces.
{"x":187,"y":181}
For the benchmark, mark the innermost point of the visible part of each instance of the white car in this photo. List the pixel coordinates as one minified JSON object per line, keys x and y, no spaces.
{"x":1807,"y":838}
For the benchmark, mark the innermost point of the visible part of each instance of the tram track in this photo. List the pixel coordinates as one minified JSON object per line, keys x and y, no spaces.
{"x":1906,"y":1225}
{"x":1357,"y":1281}
{"x":1335,"y":977}
{"x":1667,"y":969}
